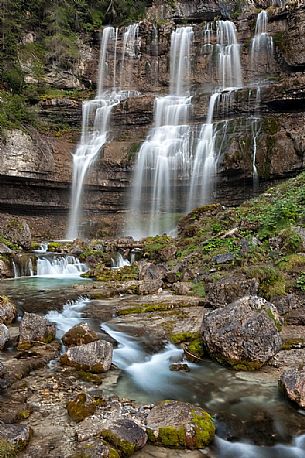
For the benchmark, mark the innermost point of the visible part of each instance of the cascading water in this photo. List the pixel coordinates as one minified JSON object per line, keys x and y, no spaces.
{"x":229,"y":77}
{"x":60,"y":266}
{"x":261,"y":47}
{"x":96,"y":117}
{"x":120,"y":262}
{"x":164,"y":157}
{"x":22,"y":266}
{"x":70,"y":315}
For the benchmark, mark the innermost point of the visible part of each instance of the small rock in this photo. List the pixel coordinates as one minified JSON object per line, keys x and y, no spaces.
{"x":292,"y":382}
{"x":179,"y":367}
{"x":223,"y":258}
{"x":8,"y":311}
{"x":34,"y":329}
{"x":4,"y":336}
{"x":13,"y":438}
{"x":93,"y":357}
{"x":79,"y":335}
{"x":81,"y":407}
{"x":125,"y":435}
{"x":182,"y":287}
{"x":180,"y":425}
{"x":4,"y":249}
{"x":151,"y":272}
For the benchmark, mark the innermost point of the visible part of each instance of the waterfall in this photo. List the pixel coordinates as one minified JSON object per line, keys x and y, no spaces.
{"x":60,"y":266}
{"x":120,"y":262}
{"x":229,"y":77}
{"x":96,"y":116}
{"x":164,"y":158}
{"x":261,"y":46}
{"x":22,"y":266}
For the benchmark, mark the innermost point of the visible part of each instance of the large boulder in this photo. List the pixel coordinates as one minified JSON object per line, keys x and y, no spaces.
{"x":125,"y":435}
{"x":80,"y":334}
{"x":8,"y":311}
{"x":93,"y":357}
{"x":179,"y":424}
{"x":244,"y":335}
{"x":292,"y":382}
{"x":13,"y":439}
{"x":34,"y":329}
{"x":151,"y":277}
{"x":4,"y":336}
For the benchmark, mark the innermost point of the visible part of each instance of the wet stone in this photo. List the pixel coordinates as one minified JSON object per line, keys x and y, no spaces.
{"x":93,"y":357}
{"x":180,"y":425}
{"x":79,"y":335}
{"x":35,"y":329}
{"x":4,"y":336}
{"x":292,"y":382}
{"x":125,"y":435}
{"x":13,"y":438}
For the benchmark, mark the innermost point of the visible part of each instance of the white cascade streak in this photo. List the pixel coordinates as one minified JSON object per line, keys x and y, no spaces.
{"x":96,"y":115}
{"x":60,"y":266}
{"x":164,"y":157}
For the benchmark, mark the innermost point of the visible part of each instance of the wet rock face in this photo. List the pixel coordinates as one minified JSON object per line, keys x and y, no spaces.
{"x":4,"y":336}
{"x":125,"y":435}
{"x":35,"y":329}
{"x":93,"y":357}
{"x":244,"y":334}
{"x":292,"y":382}
{"x":179,"y":424}
{"x":8,"y":311}
{"x":79,"y":335}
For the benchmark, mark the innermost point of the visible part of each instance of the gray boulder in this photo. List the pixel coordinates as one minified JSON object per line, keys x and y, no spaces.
{"x":292,"y":382}
{"x":34,"y":329}
{"x":93,"y":357}
{"x":4,"y":336}
{"x":8,"y":311}
{"x":17,"y":231}
{"x":244,"y":335}
{"x":125,"y":435}
{"x":180,"y":425}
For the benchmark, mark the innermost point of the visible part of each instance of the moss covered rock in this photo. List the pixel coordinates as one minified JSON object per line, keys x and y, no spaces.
{"x":81,"y":407}
{"x":13,"y":439}
{"x":79,"y":335}
{"x":125,"y":435}
{"x":180,"y":425}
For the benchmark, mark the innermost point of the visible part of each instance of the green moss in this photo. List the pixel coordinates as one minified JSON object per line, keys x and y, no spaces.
{"x":291,"y":262}
{"x":273,"y":317}
{"x":152,"y":246}
{"x":196,"y":348}
{"x":204,"y":429}
{"x":105,"y":274}
{"x":293,"y":343}
{"x":24,"y":414}
{"x":7,"y":450}
{"x":147,"y":308}
{"x":271,"y":280}
{"x":170,"y":436}
{"x":91,"y":378}
{"x":78,"y":408}
{"x":125,"y":447}
{"x":198,"y":289}
{"x":300,"y":282}
{"x":113,"y":453}
{"x":180,"y":337}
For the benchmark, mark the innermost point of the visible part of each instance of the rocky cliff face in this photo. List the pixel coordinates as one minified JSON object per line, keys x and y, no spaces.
{"x":35,"y":164}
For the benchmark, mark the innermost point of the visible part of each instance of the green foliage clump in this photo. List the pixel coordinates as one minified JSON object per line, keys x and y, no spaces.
{"x":13,"y":111}
{"x":300,"y":283}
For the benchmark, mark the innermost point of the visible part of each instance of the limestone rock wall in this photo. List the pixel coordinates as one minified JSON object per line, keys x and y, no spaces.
{"x":35,"y":165}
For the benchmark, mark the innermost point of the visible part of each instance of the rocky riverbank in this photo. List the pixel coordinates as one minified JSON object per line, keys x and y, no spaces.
{"x":229,"y":288}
